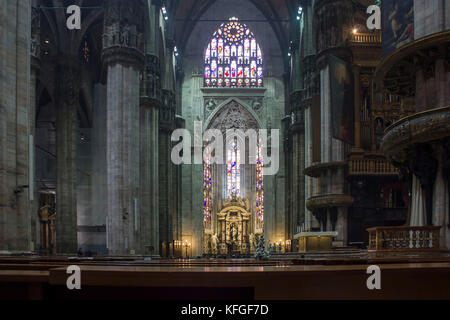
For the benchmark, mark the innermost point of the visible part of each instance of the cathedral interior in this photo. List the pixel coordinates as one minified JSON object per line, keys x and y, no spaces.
{"x":355,"y":170}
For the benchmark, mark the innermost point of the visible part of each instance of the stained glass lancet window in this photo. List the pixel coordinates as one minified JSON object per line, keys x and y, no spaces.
{"x":207,"y":194}
{"x":260,"y":190}
{"x":233,"y":57}
{"x":233,"y":170}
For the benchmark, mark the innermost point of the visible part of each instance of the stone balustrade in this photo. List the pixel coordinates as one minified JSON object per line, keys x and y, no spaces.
{"x":371,"y":167}
{"x":404,"y":238}
{"x":366,"y":38}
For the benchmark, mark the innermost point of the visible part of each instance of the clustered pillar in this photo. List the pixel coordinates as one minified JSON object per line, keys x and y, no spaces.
{"x":68,"y":82}
{"x":166,"y":169}
{"x":35,"y":51}
{"x":150,"y":104}
{"x":123,"y":58}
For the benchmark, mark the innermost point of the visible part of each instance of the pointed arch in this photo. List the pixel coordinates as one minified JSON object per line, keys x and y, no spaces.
{"x":234,"y":175}
{"x":233,"y":57}
{"x":225,"y":104}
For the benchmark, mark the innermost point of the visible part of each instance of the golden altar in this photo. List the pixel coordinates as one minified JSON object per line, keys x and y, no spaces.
{"x":315,"y":241}
{"x":232,"y":230}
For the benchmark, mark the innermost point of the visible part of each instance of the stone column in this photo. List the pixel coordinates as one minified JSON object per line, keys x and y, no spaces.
{"x":166,"y":168}
{"x":297,"y":135}
{"x":298,"y":161}
{"x":123,"y":58}
{"x":342,"y":225}
{"x":296,"y":66}
{"x":356,"y":73}
{"x":178,"y":183}
{"x":424,"y":166}
{"x":167,"y":191}
{"x":67,"y":86}
{"x":441,"y":199}
{"x":309,"y":45}
{"x":325,"y":121}
{"x":308,"y":163}
{"x":149,"y":206}
{"x":35,"y":51}
{"x":15,"y":19}
{"x":310,"y":74}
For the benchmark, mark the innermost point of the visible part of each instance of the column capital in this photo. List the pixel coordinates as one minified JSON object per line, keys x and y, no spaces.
{"x":149,"y":103}
{"x":123,"y":40}
{"x":343,"y":53}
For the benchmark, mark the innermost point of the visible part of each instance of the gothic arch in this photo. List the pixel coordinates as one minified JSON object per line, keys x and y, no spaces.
{"x":238,"y":108}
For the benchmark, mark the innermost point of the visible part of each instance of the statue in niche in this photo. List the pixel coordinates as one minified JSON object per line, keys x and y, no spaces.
{"x":35,"y":46}
{"x":214,"y":241}
{"x":379,"y":131}
{"x":252,"y":240}
{"x":233,"y":232}
{"x":44,"y":212}
{"x":126,"y":32}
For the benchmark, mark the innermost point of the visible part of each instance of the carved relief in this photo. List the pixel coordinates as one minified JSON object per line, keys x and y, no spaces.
{"x":152,"y":78}
{"x":168,"y":109}
{"x":257,"y":104}
{"x":234,"y":116}
{"x":210,"y":104}
{"x":123,"y":35}
{"x":426,"y":127}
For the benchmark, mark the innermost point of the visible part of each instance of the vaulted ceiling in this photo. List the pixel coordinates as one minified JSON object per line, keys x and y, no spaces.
{"x":279,"y":13}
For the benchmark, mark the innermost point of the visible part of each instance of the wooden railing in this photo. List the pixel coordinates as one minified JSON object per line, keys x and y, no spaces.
{"x":371,"y":167}
{"x":404,"y":238}
{"x":366,"y":38}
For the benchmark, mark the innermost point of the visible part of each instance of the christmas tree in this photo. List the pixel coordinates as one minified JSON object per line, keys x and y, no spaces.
{"x":261,"y":253}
